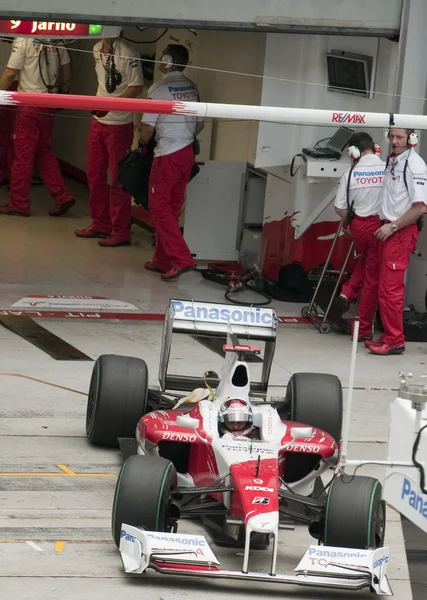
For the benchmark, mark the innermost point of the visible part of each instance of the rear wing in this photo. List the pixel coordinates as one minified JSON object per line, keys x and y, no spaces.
{"x":224,"y":321}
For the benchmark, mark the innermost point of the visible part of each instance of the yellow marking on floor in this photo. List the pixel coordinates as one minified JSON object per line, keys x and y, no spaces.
{"x":49,"y":383}
{"x":59,"y":546}
{"x":66,"y":472}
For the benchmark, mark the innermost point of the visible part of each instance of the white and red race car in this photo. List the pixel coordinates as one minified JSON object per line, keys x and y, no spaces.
{"x":243,"y":465}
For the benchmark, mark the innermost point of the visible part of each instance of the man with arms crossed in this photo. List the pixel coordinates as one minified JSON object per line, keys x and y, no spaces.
{"x":404,"y":200}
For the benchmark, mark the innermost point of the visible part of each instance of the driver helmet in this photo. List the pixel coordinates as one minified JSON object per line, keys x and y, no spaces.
{"x":236,"y":416}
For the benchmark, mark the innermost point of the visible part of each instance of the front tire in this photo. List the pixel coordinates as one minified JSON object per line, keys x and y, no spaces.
{"x":118,"y":398}
{"x":355,"y":514}
{"x":143,"y":496}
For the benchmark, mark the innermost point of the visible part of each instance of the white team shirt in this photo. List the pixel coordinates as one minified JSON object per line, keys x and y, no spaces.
{"x":366,"y":185}
{"x":173,"y":132}
{"x":396,"y":200}
{"x":128,"y":64}
{"x":25,"y":57}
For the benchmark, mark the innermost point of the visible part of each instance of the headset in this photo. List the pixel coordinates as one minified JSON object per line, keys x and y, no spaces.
{"x":412,"y":141}
{"x":167,"y":61}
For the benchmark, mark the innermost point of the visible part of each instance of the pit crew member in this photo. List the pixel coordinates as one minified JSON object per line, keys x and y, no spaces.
{"x":358,"y":202}
{"x":42,"y":68}
{"x":174,"y":158}
{"x":119,"y":71}
{"x":403,"y":203}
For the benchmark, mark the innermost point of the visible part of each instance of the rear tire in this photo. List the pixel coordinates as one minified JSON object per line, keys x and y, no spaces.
{"x":143,"y":495}
{"x":355,"y":514}
{"x":313,"y":399}
{"x":118,"y":398}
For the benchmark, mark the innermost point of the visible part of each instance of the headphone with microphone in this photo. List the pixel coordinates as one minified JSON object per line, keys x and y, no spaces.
{"x":353,"y":152}
{"x":412,"y":141}
{"x":167,"y":61}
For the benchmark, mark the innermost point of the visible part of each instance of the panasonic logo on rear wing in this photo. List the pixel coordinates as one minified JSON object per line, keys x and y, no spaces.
{"x":223,"y":314}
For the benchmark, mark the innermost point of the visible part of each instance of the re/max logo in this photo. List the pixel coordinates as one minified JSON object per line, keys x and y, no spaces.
{"x":356,"y":118}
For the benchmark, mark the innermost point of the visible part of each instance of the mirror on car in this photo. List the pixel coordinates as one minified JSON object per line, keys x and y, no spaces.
{"x":301,"y":433}
{"x":187,"y":422}
{"x":210,"y":375}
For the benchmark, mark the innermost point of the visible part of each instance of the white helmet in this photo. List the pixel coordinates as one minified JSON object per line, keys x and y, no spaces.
{"x":236,"y":416}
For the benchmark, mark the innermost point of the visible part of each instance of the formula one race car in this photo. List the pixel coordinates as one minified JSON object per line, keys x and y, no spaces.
{"x":246,"y":466}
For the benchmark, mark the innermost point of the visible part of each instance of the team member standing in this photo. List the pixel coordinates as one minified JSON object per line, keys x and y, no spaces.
{"x":174,"y":158}
{"x":358,"y":202}
{"x":119,"y":71}
{"x":403,"y":201}
{"x":42,"y":69}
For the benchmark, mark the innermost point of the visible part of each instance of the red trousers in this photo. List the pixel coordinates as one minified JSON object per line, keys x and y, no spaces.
{"x":32,"y":144}
{"x":169,"y":178}
{"x":110,"y":206}
{"x":7,"y":122}
{"x":364,"y":280}
{"x":395,"y":256}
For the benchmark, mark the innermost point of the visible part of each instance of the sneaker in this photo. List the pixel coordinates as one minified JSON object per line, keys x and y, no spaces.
{"x":175,"y":272}
{"x":150,"y":266}
{"x":62,"y":209}
{"x":90,"y":232}
{"x":339,"y":306}
{"x":369,"y":343}
{"x":7,"y":209}
{"x":383,"y":349}
{"x":113,"y":242}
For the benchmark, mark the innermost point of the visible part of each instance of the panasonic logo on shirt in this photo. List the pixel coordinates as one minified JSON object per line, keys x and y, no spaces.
{"x":368,"y":173}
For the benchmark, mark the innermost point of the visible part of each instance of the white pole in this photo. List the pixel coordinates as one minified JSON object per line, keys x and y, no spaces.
{"x":347,"y":420}
{"x":273,"y":114}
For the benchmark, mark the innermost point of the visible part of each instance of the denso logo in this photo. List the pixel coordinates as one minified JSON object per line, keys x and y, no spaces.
{"x":257,"y":488}
{"x":179,"y":437}
{"x":348,"y":118}
{"x":128,"y":537}
{"x":308,"y":449}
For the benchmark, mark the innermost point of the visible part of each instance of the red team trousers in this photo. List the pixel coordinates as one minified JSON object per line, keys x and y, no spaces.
{"x":32,"y":144}
{"x":364,"y":280}
{"x":110,"y":206}
{"x":395,"y":256}
{"x":169,"y":178}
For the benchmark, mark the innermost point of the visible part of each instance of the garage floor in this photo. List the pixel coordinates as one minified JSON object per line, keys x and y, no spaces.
{"x":56,"y":491}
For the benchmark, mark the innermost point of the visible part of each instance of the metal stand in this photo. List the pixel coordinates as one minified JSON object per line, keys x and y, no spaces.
{"x":312,"y":311}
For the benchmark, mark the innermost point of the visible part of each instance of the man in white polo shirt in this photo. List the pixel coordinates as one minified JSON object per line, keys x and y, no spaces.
{"x":41,"y":68}
{"x":174,"y":158}
{"x":358,"y":202}
{"x":403,"y":203}
{"x":119,"y":71}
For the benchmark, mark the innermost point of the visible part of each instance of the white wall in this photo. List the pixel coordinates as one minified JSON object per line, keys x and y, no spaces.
{"x":301,"y":58}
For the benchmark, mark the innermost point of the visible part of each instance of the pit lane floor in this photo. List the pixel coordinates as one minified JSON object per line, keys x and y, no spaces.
{"x":55,"y":523}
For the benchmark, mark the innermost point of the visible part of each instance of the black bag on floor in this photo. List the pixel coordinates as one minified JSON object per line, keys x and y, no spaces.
{"x":414,"y":325}
{"x":293,"y":285}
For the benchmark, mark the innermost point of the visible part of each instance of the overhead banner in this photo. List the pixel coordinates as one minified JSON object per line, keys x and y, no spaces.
{"x":53,"y":29}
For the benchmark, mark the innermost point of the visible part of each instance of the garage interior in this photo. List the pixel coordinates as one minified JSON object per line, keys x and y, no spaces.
{"x":55,"y":490}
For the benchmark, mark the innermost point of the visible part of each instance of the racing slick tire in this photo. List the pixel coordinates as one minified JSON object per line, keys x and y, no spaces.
{"x":118,"y":398}
{"x":314,"y":399}
{"x":143,"y":496}
{"x":355,"y":514}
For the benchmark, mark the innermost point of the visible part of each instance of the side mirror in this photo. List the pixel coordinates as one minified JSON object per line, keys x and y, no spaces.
{"x":301,"y":433}
{"x":187,"y":422}
{"x":210,"y":375}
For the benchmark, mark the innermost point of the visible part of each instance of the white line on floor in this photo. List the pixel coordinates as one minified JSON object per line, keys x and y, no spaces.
{"x":34,"y":546}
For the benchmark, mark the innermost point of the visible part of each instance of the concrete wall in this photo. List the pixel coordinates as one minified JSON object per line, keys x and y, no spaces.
{"x":296,"y":76}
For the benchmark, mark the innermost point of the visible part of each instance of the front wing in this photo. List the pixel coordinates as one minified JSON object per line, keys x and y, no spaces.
{"x":191,"y":555}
